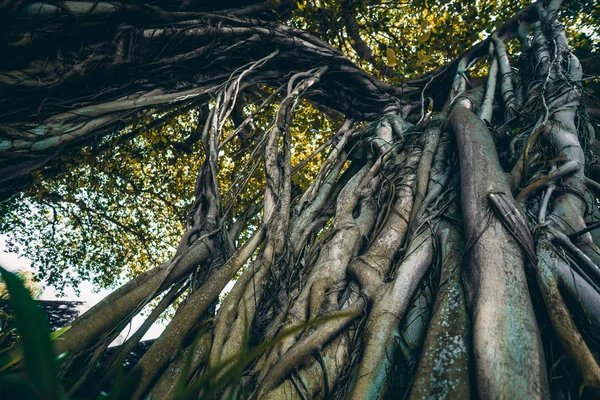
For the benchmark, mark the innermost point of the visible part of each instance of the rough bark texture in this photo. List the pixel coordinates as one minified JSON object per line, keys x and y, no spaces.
{"x":424,"y":259}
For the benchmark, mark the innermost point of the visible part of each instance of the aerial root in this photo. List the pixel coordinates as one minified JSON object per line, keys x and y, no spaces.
{"x":506,"y":85}
{"x":430,"y":139}
{"x":111,"y":366}
{"x":413,"y":328}
{"x":507,"y":211}
{"x":494,"y":276}
{"x":592,"y":184}
{"x":239,"y":308}
{"x":377,"y":226}
{"x":390,"y":304}
{"x":567,"y":168}
{"x":562,"y":321}
{"x":486,"y":109}
{"x":315,"y":340}
{"x":185,"y":320}
{"x":590,"y":268}
{"x":165,"y":386}
{"x":546,"y":200}
{"x":446,"y":356}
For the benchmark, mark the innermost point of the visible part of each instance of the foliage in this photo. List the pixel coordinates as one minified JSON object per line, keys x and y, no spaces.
{"x":8,"y":334}
{"x":452,"y":207}
{"x":118,"y":208}
{"x":28,"y":280}
{"x":40,"y":379}
{"x":40,"y":366}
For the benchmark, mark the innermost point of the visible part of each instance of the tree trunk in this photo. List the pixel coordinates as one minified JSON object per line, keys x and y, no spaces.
{"x":429,"y":256}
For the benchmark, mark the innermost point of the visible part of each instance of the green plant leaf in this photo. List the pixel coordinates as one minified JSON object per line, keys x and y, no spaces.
{"x":10,"y":356}
{"x":13,"y":354}
{"x":392,"y":61}
{"x":32,"y":326}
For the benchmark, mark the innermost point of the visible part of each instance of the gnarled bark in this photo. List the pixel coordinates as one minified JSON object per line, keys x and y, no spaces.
{"x":413,"y":293}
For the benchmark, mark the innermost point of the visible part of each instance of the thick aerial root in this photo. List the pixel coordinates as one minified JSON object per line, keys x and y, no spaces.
{"x":302,"y":224}
{"x":562,"y":322}
{"x":390,"y":303}
{"x":486,"y":109}
{"x":581,"y":291}
{"x":111,"y":366}
{"x":589,"y":267}
{"x":444,"y":367}
{"x":411,"y":334}
{"x":237,"y":311}
{"x":372,"y":268}
{"x":318,"y":376}
{"x":187,"y":316}
{"x":566,"y":169}
{"x":334,"y":257}
{"x":430,"y":139}
{"x":314,"y":341}
{"x":325,"y":174}
{"x":129,"y":298}
{"x":506,"y":83}
{"x":166,"y":384}
{"x":459,"y":85}
{"x":440,"y":174}
{"x":508,"y":354}
{"x":329,"y":273}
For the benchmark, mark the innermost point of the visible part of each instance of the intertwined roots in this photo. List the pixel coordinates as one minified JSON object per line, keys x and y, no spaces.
{"x":437,"y":257}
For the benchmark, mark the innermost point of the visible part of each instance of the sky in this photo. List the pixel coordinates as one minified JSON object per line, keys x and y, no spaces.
{"x":88,"y":294}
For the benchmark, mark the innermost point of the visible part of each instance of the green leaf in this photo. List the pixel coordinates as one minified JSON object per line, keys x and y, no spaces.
{"x":57,"y":333}
{"x":14,"y":354}
{"x":423,"y":57}
{"x":392,"y":61}
{"x":423,"y":38}
{"x":10,"y":356}
{"x":32,"y":326}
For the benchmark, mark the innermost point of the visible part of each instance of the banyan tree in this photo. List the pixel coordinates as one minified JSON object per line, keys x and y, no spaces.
{"x":439,"y":241}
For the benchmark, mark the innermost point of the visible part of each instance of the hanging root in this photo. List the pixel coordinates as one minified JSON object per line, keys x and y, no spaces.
{"x":314,"y":341}
{"x":509,"y":360}
{"x":506,"y":84}
{"x":185,"y":320}
{"x":486,"y":109}
{"x":444,"y":369}
{"x":562,"y":322}
{"x":390,"y":303}
{"x":415,"y":271}
{"x":239,"y":307}
{"x":430,"y":139}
